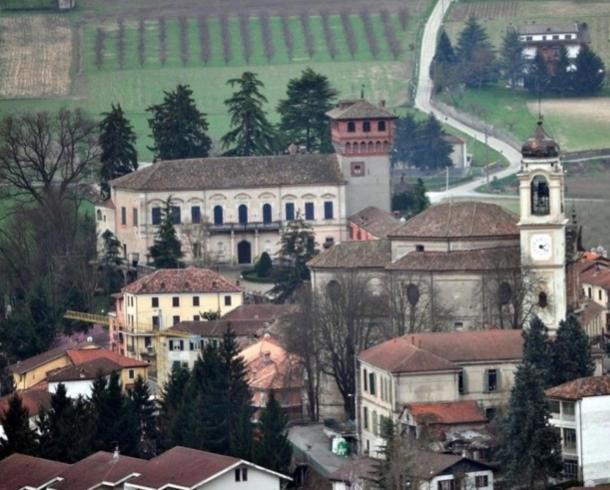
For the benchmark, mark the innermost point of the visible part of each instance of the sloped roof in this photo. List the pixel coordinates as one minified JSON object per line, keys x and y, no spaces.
{"x":20,"y":470}
{"x":33,"y":399}
{"x":359,"y":109}
{"x":461,"y":412}
{"x":217,"y":328}
{"x":428,"y":464}
{"x":86,"y":370}
{"x":400,"y":355}
{"x":189,"y":280}
{"x":30,"y":363}
{"x":97,"y":468}
{"x":267,"y":312}
{"x":361,"y":468}
{"x":85,"y":356}
{"x":540,"y":144}
{"x":359,"y":254}
{"x":234,"y":173}
{"x":376,"y":221}
{"x":581,"y":388}
{"x":570,"y":27}
{"x":462,"y":219}
{"x":484,"y":259}
{"x":597,"y":276}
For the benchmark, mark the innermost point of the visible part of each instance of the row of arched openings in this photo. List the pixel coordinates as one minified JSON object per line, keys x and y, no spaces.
{"x":370,"y":147}
{"x":242,"y":214}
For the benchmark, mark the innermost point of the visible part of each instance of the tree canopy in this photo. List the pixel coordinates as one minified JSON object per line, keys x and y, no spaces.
{"x":167,"y":249}
{"x":571,"y":353}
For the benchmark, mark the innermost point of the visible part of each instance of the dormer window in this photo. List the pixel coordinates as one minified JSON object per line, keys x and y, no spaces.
{"x":351,"y":127}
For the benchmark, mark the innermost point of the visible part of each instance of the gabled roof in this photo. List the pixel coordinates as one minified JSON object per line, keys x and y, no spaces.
{"x":30,"y":363}
{"x":400,"y":355}
{"x":461,"y":219}
{"x":359,"y":109}
{"x":567,"y":28}
{"x":267,"y":312}
{"x":20,"y":470}
{"x":85,"y":356}
{"x":33,"y":399}
{"x":448,"y":413}
{"x":98,"y":468}
{"x":428,"y":464}
{"x":217,"y":328}
{"x":234,"y":173}
{"x":597,"y":276}
{"x":581,"y":388}
{"x":189,"y":280}
{"x":87,"y":370}
{"x":376,"y":221}
{"x":359,"y":254}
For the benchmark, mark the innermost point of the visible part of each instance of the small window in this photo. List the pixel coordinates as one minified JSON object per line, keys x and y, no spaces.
{"x":244,"y":474}
{"x":419,"y":248}
{"x":481,"y":481}
{"x":131,"y":374}
{"x":357,"y":169}
{"x":529,"y":38}
{"x":365,"y":417}
{"x":155,"y":302}
{"x":289,"y":211}
{"x":309,"y":211}
{"x":568,"y":36}
{"x":569,"y":438}
{"x":542,"y":300}
{"x":218,"y":215}
{"x":570,"y":468}
{"x":328,"y":210}
{"x":540,"y":196}
{"x":156,"y":216}
{"x":554,"y":407}
{"x":267,"y":218}
{"x":147,"y":341}
{"x":175,"y":213}
{"x":237,"y":474}
{"x":196,"y":318}
{"x":364,"y":380}
{"x":351,"y":127}
{"x":492,"y":380}
{"x":191,"y":345}
{"x":490,"y":413}
{"x":123,"y":215}
{"x":366,"y":126}
{"x":228,"y":300}
{"x":446,"y":485}
{"x":176,"y":301}
{"x":99,"y":215}
{"x":242,"y":212}
{"x":599,"y":294}
{"x":195,"y":300}
{"x":567,"y":408}
{"x":155,"y":322}
{"x":381,"y":126}
{"x":135,"y":216}
{"x":461,"y":384}
{"x":372,"y":389}
{"x":589,"y":292}
{"x":176,"y":319}
{"x":555,"y":37}
{"x":195,"y":214}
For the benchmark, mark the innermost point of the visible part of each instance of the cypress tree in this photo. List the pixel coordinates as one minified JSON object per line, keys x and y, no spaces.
{"x":571,"y":353}
{"x":143,"y":410}
{"x":167,"y":249}
{"x":532,"y":448}
{"x":444,"y":49}
{"x":272,"y":449}
{"x":393,"y":470}
{"x":251,"y":133}
{"x":179,"y":129}
{"x":538,"y":79}
{"x":512,"y":56}
{"x":117,"y":143}
{"x":18,"y":436}
{"x":7,"y":382}
{"x":432,"y":151}
{"x":561,"y":80}
{"x":536,"y":347}
{"x":171,"y":401}
{"x":303,"y":111}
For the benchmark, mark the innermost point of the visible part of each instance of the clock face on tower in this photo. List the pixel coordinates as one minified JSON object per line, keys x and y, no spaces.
{"x":540,"y":246}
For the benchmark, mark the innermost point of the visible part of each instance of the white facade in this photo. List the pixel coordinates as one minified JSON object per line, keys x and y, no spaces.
{"x":472,"y":479}
{"x":585,"y":432}
{"x":75,"y":388}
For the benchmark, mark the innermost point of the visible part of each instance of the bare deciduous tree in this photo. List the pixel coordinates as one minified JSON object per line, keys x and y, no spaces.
{"x":267,"y":36}
{"x":369,"y":31}
{"x":225,"y":35}
{"x":162,"y":40}
{"x":196,"y":237}
{"x":246,"y":36}
{"x":141,"y":42}
{"x":184,"y":40}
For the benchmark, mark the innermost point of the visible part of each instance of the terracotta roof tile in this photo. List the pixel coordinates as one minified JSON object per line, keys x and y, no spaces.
{"x":264,"y":312}
{"x":19,"y":470}
{"x":359,"y":254}
{"x":484,"y":259}
{"x":26,"y":365}
{"x":85,"y":356}
{"x":217,"y":328}
{"x":462,"y":219}
{"x":376,"y":221}
{"x":189,"y":280}
{"x":183,"y":466}
{"x":86,"y":370}
{"x":597,"y":276}
{"x":33,"y":399}
{"x":400,"y":355}
{"x":359,"y":109}
{"x":581,"y":388}
{"x":234,"y":173}
{"x":462,"y":412}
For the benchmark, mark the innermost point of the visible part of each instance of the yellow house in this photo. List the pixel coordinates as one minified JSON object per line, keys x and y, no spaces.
{"x":165,"y":298}
{"x":36,"y":369}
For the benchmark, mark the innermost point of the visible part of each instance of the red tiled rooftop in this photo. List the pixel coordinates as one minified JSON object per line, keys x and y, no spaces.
{"x":581,"y":388}
{"x":86,"y":370}
{"x":462,"y":412}
{"x":20,"y":470}
{"x":189,"y":280}
{"x":265,"y":312}
{"x":83,"y":356}
{"x":376,"y":221}
{"x":33,"y":399}
{"x":596,"y":276}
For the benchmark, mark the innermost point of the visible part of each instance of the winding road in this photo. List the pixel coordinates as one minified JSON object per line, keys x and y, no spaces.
{"x":422,"y":102}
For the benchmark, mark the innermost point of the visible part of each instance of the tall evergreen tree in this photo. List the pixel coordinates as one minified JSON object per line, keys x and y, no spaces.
{"x":512,"y":57}
{"x":413,"y":201}
{"x":393,"y":471}
{"x":166,"y":252}
{"x":561,"y":79}
{"x":18,"y":436}
{"x":171,"y":401}
{"x":251,"y":133}
{"x":143,"y":413}
{"x":476,"y":56}
{"x":444,"y":70}
{"x":117,"y":143}
{"x":272,"y":449}
{"x":179,"y":129}
{"x":590,"y":73}
{"x":7,"y":382}
{"x":403,"y":149}
{"x":432,"y":151}
{"x":537,"y":349}
{"x":303,"y":112}
{"x":571,"y":353}
{"x":444,"y":49}
{"x":532,"y":448}
{"x":538,"y":79}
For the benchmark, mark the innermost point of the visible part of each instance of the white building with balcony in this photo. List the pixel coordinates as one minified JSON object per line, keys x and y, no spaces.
{"x":580,"y":409}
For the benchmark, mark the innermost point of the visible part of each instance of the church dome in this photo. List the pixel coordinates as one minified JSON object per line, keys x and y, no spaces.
{"x":540,"y":144}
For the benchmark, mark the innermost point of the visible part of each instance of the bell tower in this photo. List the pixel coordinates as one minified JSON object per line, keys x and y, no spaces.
{"x":543,"y":226}
{"x":362,"y":134}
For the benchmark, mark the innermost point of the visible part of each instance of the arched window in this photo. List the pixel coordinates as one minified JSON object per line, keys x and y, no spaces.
{"x":543,"y":300}
{"x":378,"y":146}
{"x":266,"y":213}
{"x":333,"y":289}
{"x":218,"y":215}
{"x":348,"y":147}
{"x":371,"y":146}
{"x":540,"y":196}
{"x":412,"y":292}
{"x":242,"y":212}
{"x":386,"y":146}
{"x":362,"y":147}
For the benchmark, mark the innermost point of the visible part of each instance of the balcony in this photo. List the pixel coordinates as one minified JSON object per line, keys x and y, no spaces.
{"x":245,"y":227}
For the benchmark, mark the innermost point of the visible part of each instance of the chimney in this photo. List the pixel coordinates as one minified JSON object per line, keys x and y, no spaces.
{"x":267,"y":358}
{"x":115,"y":454}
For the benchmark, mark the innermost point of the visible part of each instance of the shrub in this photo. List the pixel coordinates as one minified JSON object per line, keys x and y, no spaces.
{"x":204,"y":38}
{"x":162,"y":40}
{"x":328,"y":35}
{"x":390,"y":33}
{"x":246,"y":36}
{"x":288,"y":39}
{"x":267,"y":36}
{"x":264,"y":265}
{"x":184,"y":40}
{"x":100,"y":40}
{"x":403,"y":17}
{"x":120,"y":43}
{"x":141,"y":42}
{"x":348,"y":29}
{"x":370,"y":33}
{"x":309,"y":42}
{"x":225,"y":34}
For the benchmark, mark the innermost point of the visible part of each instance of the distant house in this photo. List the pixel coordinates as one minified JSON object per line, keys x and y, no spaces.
{"x":580,"y":409}
{"x":180,"y":468}
{"x":459,"y":154}
{"x":371,"y":224}
{"x":34,"y":400}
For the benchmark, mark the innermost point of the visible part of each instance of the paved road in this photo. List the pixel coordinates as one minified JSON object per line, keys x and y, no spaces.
{"x":422,"y":102}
